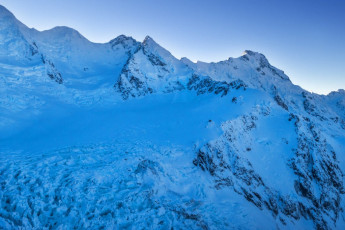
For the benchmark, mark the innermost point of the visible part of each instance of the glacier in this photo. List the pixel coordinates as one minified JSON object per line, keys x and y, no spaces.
{"x":123,"y":135}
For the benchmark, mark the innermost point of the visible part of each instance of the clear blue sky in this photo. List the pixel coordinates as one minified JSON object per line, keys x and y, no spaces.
{"x":305,"y":38}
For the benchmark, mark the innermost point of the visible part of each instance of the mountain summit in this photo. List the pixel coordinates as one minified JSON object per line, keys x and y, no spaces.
{"x":124,"y":135}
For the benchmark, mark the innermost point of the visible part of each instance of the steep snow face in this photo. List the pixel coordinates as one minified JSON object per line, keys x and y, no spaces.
{"x":14,"y":48}
{"x":124,"y":135}
{"x":29,"y":58}
{"x":152,"y":69}
{"x":79,"y":58}
{"x":67,"y":55}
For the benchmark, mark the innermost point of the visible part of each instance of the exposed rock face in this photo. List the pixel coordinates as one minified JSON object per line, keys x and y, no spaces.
{"x":52,"y":72}
{"x":207,"y":85}
{"x":318,"y":186}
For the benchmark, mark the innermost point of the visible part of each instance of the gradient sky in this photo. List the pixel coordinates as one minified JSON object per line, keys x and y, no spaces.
{"x":305,"y":38}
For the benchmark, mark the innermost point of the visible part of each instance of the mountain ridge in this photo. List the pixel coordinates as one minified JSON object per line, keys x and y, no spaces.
{"x":64,"y":29}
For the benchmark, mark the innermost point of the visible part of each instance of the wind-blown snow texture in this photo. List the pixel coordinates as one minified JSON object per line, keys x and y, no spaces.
{"x":124,"y":135}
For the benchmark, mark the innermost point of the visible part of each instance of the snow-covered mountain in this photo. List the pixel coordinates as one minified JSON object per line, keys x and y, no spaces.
{"x":124,"y":135}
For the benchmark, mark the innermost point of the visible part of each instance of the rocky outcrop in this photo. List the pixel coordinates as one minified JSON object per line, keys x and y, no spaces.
{"x":204,"y":85}
{"x":51,"y":71}
{"x":318,"y":186}
{"x":319,"y":177}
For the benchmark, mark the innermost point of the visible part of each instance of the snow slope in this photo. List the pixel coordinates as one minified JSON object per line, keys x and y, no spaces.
{"x":124,"y":135}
